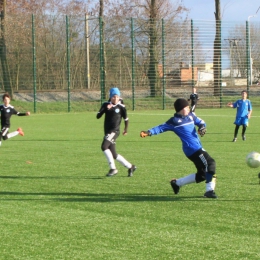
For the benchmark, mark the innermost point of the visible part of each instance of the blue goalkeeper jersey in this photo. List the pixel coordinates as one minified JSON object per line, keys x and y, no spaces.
{"x":184,"y":127}
{"x":243,"y":107}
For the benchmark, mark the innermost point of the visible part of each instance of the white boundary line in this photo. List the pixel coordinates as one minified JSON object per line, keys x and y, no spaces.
{"x":146,"y":114}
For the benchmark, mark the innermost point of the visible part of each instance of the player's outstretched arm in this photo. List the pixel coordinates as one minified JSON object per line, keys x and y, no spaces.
{"x":22,"y":114}
{"x":143,"y":134}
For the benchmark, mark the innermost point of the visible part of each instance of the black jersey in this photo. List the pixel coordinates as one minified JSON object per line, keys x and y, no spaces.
{"x":6,"y":113}
{"x":194,"y":98}
{"x":113,"y":116}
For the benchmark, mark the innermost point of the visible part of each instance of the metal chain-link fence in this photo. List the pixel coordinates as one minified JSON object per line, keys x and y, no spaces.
{"x":73,"y":61}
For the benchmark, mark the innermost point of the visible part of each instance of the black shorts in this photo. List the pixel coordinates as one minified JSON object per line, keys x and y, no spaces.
{"x":204,"y":163}
{"x":111,"y":137}
{"x":109,"y":141}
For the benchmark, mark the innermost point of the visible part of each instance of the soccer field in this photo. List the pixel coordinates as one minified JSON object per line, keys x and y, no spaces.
{"x":56,"y":202}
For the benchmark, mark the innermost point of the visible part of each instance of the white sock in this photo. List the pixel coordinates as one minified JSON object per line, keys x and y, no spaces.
{"x":186,"y":180}
{"x":123,"y":161}
{"x":110,"y":159}
{"x":211,"y":185}
{"x":10,"y":135}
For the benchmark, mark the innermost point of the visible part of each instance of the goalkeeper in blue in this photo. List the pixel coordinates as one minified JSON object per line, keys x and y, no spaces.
{"x":183,"y":125}
{"x":244,"y":111}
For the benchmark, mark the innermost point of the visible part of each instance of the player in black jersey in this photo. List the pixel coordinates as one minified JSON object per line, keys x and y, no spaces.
{"x":6,"y":112}
{"x":194,"y":97}
{"x":114,"y":111}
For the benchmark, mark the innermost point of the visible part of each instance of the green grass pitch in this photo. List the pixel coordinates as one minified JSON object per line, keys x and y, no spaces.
{"x":56,"y":203}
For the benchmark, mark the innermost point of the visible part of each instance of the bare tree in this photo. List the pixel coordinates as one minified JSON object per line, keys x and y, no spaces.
{"x":239,"y":47}
{"x":148,"y":14}
{"x":156,"y":10}
{"x":217,"y":50}
{"x":50,"y":42}
{"x":103,"y":53}
{"x":115,"y":32}
{"x":3,"y":57}
{"x":153,"y":56}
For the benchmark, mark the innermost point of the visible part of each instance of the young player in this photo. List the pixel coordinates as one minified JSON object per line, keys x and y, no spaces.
{"x":183,"y":125}
{"x":244,"y":111}
{"x":194,"y":97}
{"x":114,"y":111}
{"x":6,"y":112}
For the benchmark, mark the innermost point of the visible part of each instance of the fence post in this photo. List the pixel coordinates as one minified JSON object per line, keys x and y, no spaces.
{"x":163,"y":63}
{"x":87,"y":76}
{"x":192,"y":54}
{"x":68,"y":60}
{"x":220,"y":69}
{"x":248,"y":61}
{"x":133,"y":63}
{"x":34,"y":64}
{"x":101,"y":55}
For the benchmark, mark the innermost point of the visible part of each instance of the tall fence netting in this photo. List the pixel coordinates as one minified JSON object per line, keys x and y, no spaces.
{"x":74,"y":61}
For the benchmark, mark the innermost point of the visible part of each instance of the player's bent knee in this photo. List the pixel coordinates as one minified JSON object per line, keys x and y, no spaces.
{"x":212,"y":166}
{"x":199,"y":177}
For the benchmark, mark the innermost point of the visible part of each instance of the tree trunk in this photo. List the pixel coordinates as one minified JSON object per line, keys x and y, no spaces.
{"x":3,"y":58}
{"x":101,"y":11}
{"x":153,"y":60}
{"x":217,"y":50}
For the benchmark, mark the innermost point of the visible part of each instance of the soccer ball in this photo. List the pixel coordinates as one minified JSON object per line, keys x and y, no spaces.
{"x":253,"y":159}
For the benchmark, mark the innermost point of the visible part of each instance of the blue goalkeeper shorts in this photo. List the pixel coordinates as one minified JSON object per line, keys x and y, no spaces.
{"x":241,"y":120}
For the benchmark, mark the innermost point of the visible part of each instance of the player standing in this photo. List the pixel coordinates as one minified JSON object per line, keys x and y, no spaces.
{"x":6,"y":112}
{"x":114,"y":111}
{"x":244,"y":111}
{"x":183,"y":125}
{"x":194,"y":97}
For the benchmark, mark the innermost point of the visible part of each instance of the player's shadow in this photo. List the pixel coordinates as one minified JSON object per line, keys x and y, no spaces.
{"x":91,"y":197}
{"x":106,"y":197}
{"x":55,"y":140}
{"x":53,"y":177}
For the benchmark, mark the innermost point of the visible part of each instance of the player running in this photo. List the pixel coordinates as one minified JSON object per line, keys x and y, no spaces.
{"x":114,"y":111}
{"x":6,"y":112}
{"x":183,"y":125}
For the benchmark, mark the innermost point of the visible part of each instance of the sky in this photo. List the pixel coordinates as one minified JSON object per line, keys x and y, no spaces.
{"x":231,"y":10}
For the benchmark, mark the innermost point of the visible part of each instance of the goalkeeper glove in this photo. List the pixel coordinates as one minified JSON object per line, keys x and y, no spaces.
{"x":143,"y":134}
{"x":202,"y":130}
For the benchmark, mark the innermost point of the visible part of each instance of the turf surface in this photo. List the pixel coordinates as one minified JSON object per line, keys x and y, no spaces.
{"x":56,"y":202}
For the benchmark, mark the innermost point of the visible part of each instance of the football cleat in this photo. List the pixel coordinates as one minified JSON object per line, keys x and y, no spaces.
{"x":112,"y":172}
{"x":243,"y":137}
{"x":234,"y":140}
{"x":175,"y":187}
{"x":210,"y":194}
{"x":20,"y":131}
{"x":131,"y":170}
